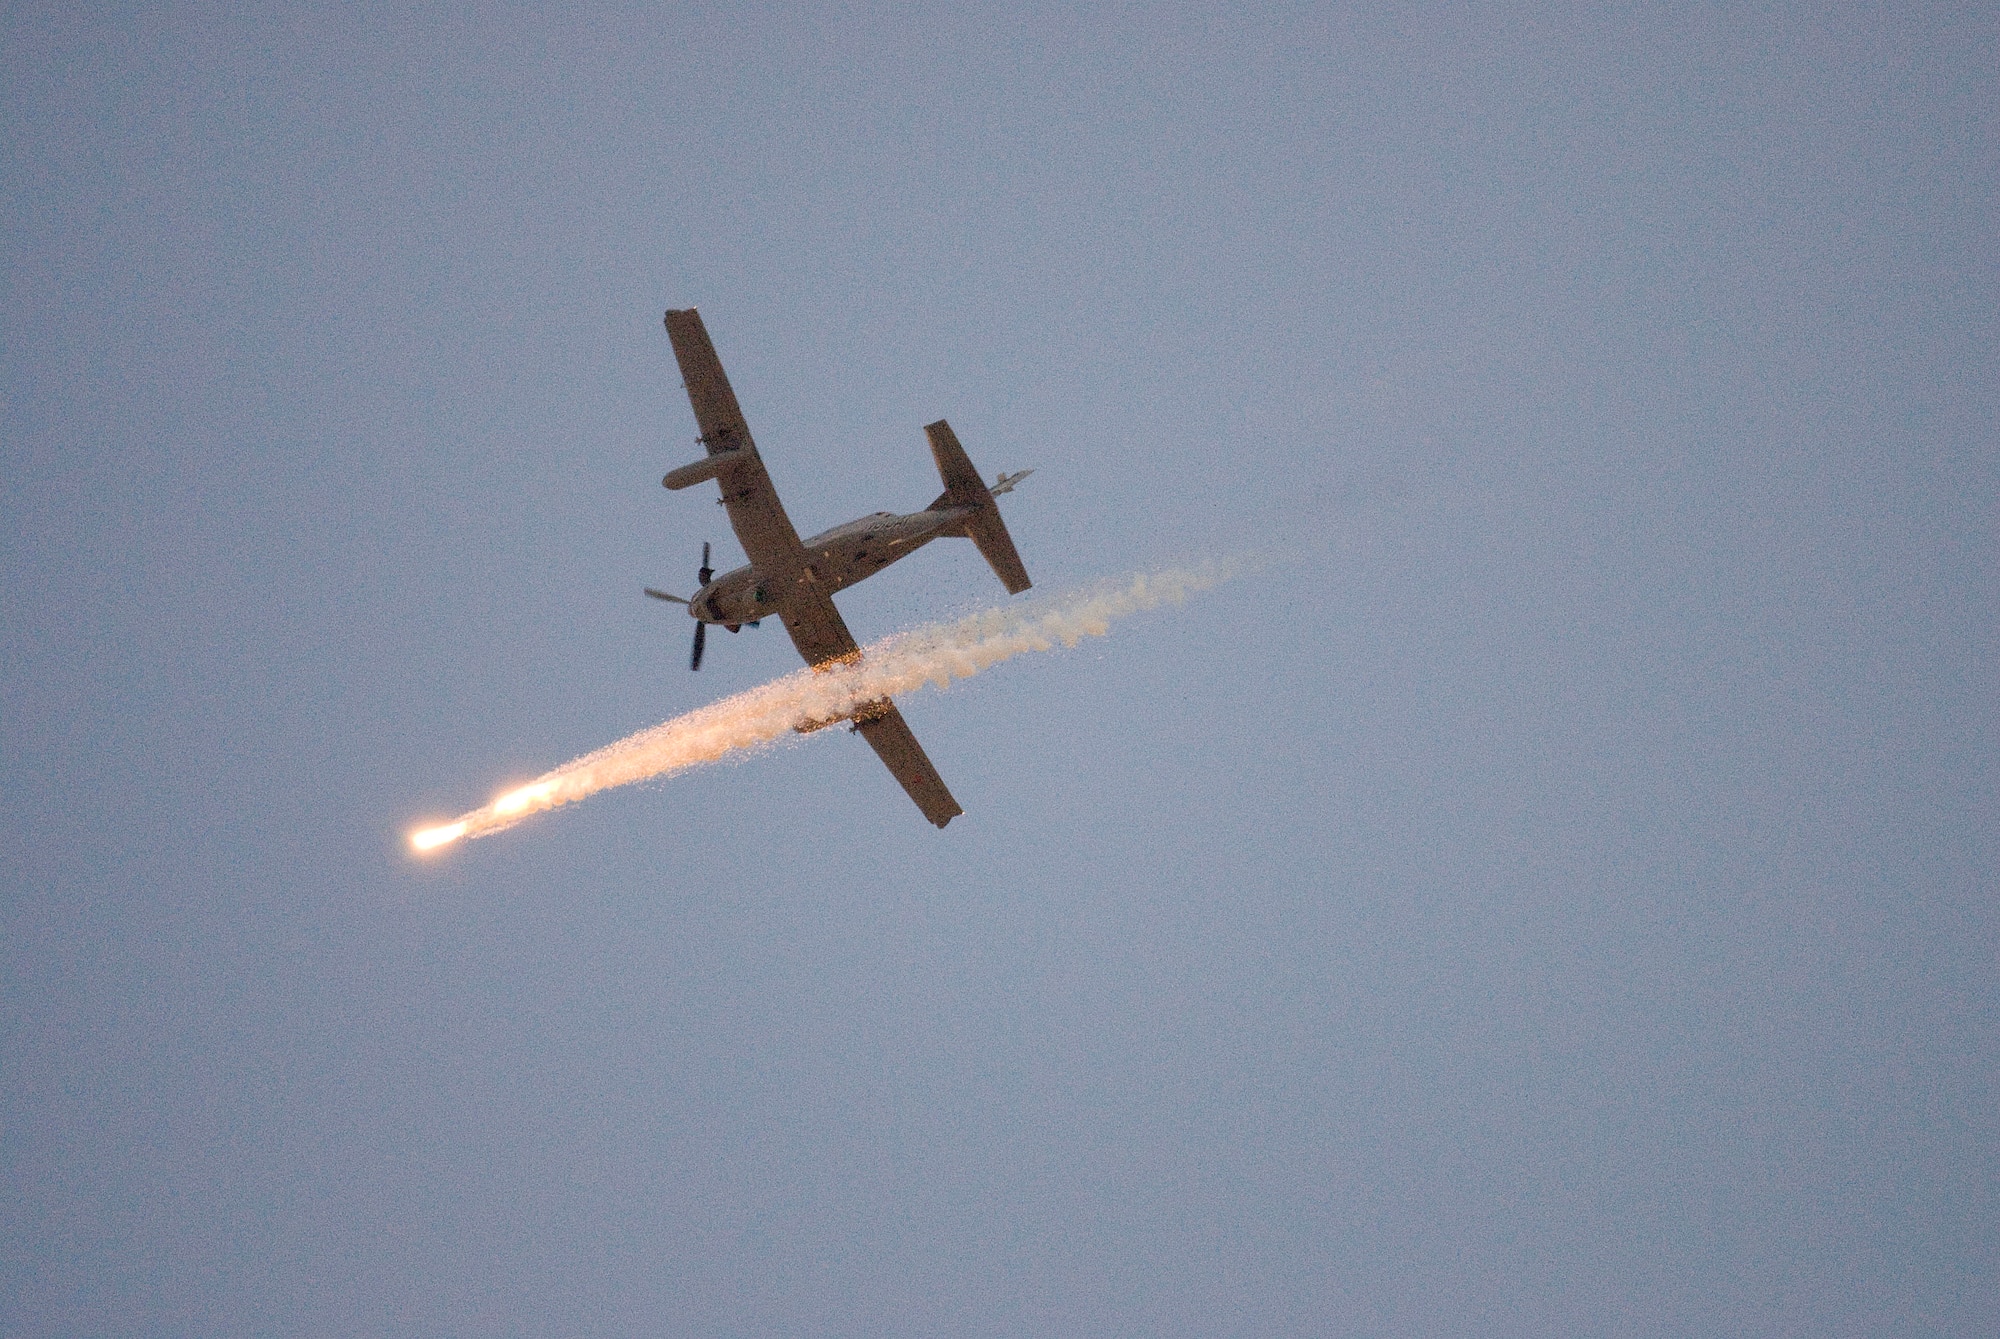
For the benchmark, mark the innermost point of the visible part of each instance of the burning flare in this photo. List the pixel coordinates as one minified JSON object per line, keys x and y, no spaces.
{"x":893,"y":666}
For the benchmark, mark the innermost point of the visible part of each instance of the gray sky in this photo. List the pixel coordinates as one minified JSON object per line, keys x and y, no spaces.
{"x":1554,"y":895}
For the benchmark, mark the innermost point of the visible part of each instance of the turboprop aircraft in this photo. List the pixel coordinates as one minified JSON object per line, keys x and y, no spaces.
{"x":794,"y":580}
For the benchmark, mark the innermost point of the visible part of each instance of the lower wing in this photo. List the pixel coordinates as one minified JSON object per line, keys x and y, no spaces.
{"x":889,"y":735}
{"x":823,"y":639}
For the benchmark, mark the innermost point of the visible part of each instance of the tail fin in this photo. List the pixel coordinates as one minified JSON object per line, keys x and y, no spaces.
{"x":962,"y":488}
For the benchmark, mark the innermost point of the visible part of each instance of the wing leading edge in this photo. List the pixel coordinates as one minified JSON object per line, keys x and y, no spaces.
{"x":773,"y":546}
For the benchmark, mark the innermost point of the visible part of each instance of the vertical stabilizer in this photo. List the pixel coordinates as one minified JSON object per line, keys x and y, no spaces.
{"x":962,"y":488}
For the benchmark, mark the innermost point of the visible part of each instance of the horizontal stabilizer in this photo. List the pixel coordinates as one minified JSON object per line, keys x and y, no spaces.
{"x":964,"y":488}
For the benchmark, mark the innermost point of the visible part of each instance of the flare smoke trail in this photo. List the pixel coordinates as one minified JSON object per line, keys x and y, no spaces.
{"x":895,"y":665}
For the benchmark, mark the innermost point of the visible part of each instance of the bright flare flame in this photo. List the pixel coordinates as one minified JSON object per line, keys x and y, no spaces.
{"x":895,"y":665}
{"x":518,"y":801}
{"x":432,"y":838}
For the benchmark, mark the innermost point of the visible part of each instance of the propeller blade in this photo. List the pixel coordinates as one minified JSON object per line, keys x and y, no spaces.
{"x":707,"y":572}
{"x":662,"y":595}
{"x":700,"y":640}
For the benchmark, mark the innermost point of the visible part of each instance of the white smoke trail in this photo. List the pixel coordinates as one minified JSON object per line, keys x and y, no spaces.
{"x":899,"y":664}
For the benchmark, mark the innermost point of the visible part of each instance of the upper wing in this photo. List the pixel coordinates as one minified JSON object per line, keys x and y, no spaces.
{"x":755,"y":513}
{"x":754,"y":510}
{"x":889,"y":735}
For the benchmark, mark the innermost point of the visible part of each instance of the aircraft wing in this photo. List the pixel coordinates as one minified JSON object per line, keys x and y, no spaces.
{"x":816,"y":626}
{"x":889,"y":735}
{"x":755,"y":513}
{"x":822,"y":638}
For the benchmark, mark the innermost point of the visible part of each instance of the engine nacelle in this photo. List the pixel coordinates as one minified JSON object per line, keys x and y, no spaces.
{"x":687,"y":476}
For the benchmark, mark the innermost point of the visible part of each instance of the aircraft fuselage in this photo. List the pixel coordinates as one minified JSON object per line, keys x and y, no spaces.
{"x":837,"y":559}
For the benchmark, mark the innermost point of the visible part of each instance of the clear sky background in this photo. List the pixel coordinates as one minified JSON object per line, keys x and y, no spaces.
{"x":1556,"y":894}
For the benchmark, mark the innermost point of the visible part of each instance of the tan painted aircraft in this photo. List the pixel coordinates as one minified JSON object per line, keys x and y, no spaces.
{"x":795,"y":579}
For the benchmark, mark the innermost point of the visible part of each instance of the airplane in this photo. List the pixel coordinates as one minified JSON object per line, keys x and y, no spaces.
{"x":794,"y":580}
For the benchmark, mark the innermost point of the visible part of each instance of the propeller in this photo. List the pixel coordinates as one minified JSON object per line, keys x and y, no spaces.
{"x":704,"y":576}
{"x":701,"y":630}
